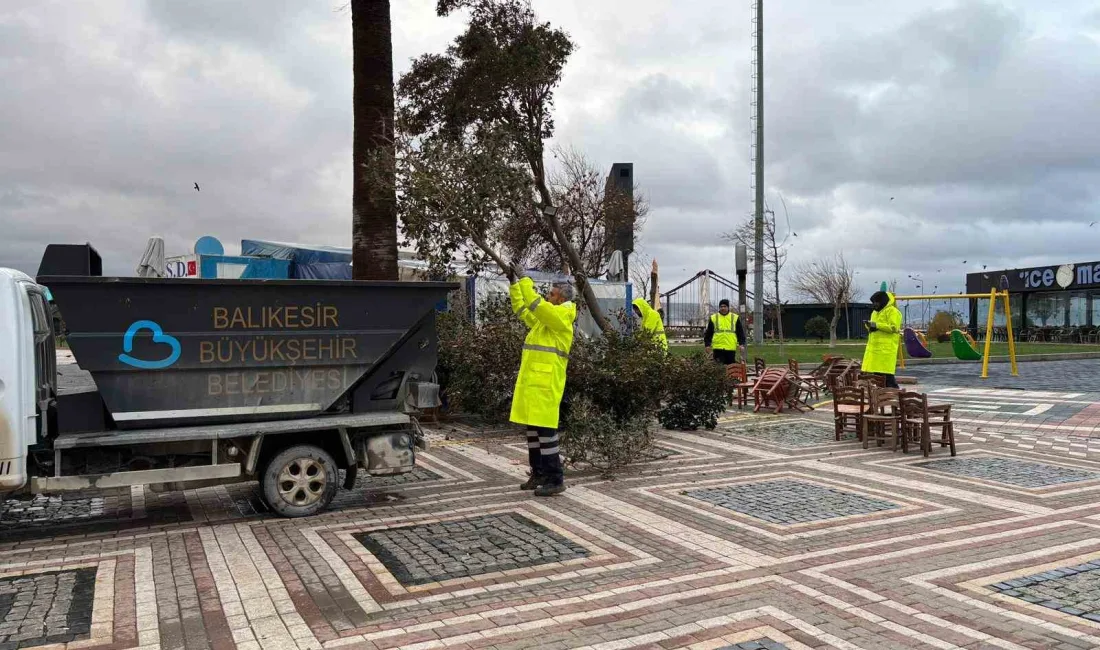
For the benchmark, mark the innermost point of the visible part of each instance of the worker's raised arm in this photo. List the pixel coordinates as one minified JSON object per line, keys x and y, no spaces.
{"x":519,"y":308}
{"x":557,"y":318}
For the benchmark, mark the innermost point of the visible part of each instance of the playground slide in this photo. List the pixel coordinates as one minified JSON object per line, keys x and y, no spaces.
{"x":963,"y":348}
{"x":914,"y":347}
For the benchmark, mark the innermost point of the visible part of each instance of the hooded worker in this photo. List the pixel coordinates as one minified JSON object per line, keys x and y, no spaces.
{"x":725,"y":334}
{"x":651,"y":321}
{"x":883,"y":338}
{"x":540,"y":385}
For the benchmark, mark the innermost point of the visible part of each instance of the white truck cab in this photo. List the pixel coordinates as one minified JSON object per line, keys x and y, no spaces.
{"x":27,"y":373}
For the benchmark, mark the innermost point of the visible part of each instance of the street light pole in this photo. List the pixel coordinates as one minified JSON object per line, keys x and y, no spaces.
{"x":758,"y":268}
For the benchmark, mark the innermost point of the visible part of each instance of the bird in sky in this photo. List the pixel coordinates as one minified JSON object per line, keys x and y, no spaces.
{"x":197,"y":187}
{"x":964,"y":261}
{"x":983,"y":267}
{"x":891,"y":198}
{"x":1092,"y":224}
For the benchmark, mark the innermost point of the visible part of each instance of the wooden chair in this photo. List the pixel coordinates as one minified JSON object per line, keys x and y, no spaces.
{"x":818,"y":374}
{"x":809,"y":384}
{"x":771,"y":388}
{"x":849,"y":405}
{"x":738,"y":376}
{"x":797,"y":394}
{"x":759,"y":366}
{"x":918,"y":419}
{"x":842,"y":373}
{"x":867,"y":380}
{"x":882,"y":421}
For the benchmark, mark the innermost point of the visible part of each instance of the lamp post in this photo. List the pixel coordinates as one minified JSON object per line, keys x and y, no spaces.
{"x":919,"y":282}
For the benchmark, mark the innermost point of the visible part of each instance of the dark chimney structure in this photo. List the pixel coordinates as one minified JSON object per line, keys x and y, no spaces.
{"x":619,"y":198}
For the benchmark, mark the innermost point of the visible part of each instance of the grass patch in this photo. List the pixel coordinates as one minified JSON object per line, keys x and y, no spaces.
{"x":811,"y":352}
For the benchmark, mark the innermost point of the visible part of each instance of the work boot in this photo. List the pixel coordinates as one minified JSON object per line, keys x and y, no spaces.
{"x":533,"y":481}
{"x":549,"y":489}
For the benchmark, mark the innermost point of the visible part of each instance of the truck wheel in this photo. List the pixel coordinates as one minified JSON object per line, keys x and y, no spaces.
{"x":300,"y":481}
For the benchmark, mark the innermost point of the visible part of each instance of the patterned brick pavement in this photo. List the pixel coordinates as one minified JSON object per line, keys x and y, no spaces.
{"x":765,"y":533}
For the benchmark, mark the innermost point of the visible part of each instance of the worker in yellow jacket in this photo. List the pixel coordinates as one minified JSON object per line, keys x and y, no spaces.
{"x":651,"y":321}
{"x":883,"y":338}
{"x":541,"y":383}
{"x":725,"y":335}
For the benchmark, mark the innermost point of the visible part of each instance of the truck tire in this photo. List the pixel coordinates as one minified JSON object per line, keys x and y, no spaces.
{"x":300,"y":481}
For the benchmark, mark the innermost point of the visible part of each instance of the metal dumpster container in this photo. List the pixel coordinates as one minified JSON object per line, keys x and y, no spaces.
{"x":166,"y":352}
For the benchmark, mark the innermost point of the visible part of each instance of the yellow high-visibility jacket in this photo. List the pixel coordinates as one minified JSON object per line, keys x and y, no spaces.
{"x":881,"y":354}
{"x":651,"y":321}
{"x":725,"y":331}
{"x":541,"y":380}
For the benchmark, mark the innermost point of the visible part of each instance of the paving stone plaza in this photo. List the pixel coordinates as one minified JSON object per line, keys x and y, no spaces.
{"x":765,"y":533}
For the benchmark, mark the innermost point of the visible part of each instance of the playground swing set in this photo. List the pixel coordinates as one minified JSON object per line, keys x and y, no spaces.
{"x":962,"y":343}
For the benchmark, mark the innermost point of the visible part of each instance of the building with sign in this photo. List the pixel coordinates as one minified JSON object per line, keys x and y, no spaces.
{"x":1046,"y":299}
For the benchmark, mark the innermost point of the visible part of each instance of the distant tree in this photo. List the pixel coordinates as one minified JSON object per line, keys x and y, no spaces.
{"x":827,"y":280}
{"x":373,"y":202}
{"x":819,"y":327}
{"x":775,"y":255}
{"x":942,"y":324}
{"x":641,"y":275}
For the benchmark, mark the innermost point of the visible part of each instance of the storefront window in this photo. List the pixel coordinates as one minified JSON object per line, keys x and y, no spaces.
{"x":1015,"y":301}
{"x":1078,"y":309}
{"x":1047,"y":309}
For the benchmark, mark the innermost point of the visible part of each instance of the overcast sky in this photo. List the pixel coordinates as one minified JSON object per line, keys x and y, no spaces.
{"x":910,"y":135}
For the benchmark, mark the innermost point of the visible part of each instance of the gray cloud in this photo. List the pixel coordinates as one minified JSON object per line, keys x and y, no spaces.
{"x":978,"y":118}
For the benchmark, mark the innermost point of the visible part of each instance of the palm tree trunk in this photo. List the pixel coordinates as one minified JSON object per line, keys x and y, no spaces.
{"x":373,"y":201}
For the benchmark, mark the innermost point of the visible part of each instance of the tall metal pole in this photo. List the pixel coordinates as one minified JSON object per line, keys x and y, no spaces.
{"x":758,"y":285}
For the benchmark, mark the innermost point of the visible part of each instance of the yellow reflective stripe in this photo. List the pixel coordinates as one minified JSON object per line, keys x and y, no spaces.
{"x":718,"y":327}
{"x":546,"y":348}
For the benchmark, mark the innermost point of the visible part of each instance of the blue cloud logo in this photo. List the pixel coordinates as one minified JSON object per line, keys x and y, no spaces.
{"x":158,"y":337}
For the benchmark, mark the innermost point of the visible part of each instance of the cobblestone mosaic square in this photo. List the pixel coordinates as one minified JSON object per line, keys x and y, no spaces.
{"x":42,"y":510}
{"x":467,"y":547}
{"x":788,"y":502}
{"x":1020,"y":473}
{"x":1073,"y":590}
{"x":759,"y":644}
{"x":788,"y":434}
{"x":45,"y":608}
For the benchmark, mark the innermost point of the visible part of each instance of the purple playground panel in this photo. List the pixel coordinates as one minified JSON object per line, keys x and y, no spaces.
{"x":913,"y":347}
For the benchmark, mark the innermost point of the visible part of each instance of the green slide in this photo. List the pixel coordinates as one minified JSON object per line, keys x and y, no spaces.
{"x":963,"y":349}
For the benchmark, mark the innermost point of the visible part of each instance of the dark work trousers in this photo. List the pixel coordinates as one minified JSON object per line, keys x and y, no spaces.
{"x":891,"y":380}
{"x":544,"y":455}
{"x":725,"y":357}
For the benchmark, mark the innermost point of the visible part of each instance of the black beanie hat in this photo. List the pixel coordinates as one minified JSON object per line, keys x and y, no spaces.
{"x":724,"y":302}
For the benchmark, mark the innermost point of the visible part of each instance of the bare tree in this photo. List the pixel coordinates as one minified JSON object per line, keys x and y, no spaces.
{"x":775,"y":255}
{"x":826,"y":280}
{"x":642,"y":271}
{"x":587,"y":212}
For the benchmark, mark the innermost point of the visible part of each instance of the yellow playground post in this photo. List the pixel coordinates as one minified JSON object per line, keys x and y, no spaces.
{"x":992,"y":296}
